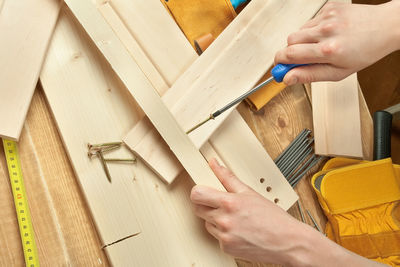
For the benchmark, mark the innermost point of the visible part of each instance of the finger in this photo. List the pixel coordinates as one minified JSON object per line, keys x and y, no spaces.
{"x":227,"y":178}
{"x":205,"y":212}
{"x":212,"y":229}
{"x":301,"y":54}
{"x":310,"y":35}
{"x":206,"y":196}
{"x":315,"y":73}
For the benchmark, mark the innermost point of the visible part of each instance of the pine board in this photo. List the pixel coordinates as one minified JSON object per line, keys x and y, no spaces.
{"x":336,"y":115}
{"x":217,"y":77}
{"x":25,"y":31}
{"x":158,"y":214}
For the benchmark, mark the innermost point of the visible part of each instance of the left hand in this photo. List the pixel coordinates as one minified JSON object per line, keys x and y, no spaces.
{"x":246,"y":224}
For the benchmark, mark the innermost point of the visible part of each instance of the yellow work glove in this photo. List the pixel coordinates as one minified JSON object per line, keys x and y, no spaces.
{"x":361,"y":201}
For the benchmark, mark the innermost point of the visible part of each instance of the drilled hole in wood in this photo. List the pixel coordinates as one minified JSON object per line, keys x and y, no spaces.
{"x":269,"y":189}
{"x":276,"y":200}
{"x":262,"y":180}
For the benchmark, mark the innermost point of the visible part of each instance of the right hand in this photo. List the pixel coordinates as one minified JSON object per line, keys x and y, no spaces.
{"x":342,"y":39}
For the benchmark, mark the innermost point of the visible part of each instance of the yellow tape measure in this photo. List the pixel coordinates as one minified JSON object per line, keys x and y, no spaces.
{"x":21,"y":204}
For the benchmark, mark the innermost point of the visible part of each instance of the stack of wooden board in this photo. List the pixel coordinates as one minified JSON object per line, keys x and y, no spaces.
{"x":91,"y":103}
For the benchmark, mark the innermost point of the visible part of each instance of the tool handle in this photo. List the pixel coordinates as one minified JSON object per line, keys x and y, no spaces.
{"x":236,"y":3}
{"x":382,"y":128}
{"x":280,"y":70}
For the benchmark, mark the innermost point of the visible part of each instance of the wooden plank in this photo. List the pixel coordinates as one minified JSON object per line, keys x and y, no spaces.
{"x":141,"y":89}
{"x":217,"y":77}
{"x":70,"y":61}
{"x":158,"y":214}
{"x":25,"y":30}
{"x":336,"y":115}
{"x":250,"y":162}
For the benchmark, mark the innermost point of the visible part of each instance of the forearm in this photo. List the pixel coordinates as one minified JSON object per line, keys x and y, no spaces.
{"x":392,"y":26}
{"x":310,"y":248}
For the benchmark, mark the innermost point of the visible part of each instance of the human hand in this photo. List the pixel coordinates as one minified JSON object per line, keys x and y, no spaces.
{"x":341,"y":39}
{"x":246,"y":224}
{"x":249,"y":226}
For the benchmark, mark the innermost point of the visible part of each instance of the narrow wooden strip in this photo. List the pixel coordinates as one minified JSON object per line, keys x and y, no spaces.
{"x":25,"y":31}
{"x":143,"y":92}
{"x":336,"y":116}
{"x":256,"y":168}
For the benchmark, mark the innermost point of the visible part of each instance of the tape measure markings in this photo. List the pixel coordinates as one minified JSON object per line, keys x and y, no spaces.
{"x":21,"y":203}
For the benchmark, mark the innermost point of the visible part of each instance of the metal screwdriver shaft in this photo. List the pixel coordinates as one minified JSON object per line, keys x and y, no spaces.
{"x":278,"y":73}
{"x":231,"y":104}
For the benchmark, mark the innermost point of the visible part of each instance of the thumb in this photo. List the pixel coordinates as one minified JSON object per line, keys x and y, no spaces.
{"x":315,"y":73}
{"x":227,"y":178}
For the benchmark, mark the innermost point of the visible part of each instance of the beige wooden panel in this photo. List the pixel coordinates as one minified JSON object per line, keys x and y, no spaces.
{"x":231,"y":66}
{"x":246,"y":157}
{"x":81,"y":90}
{"x":336,"y":115}
{"x":90,"y":104}
{"x":25,"y":30}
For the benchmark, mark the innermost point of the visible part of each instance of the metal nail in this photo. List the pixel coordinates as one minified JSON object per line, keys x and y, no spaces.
{"x":305,"y":165}
{"x":314,"y":222}
{"x":297,"y":162}
{"x":121,"y":160}
{"x":300,"y":162}
{"x":298,"y":178}
{"x":296,"y":144}
{"x":291,"y":160}
{"x":93,"y":151}
{"x":301,"y":212}
{"x":104,"y":144}
{"x":287,"y":149}
{"x":104,"y":164}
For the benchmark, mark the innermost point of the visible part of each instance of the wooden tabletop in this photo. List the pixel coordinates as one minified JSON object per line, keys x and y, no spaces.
{"x":64,"y":230}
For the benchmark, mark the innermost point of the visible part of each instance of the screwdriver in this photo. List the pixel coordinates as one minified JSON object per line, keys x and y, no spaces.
{"x":278,"y":73}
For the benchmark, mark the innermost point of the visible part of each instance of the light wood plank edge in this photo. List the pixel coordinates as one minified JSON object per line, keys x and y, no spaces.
{"x":141,"y":89}
{"x":247,"y":159}
{"x":337,"y":135}
{"x":15,"y":109}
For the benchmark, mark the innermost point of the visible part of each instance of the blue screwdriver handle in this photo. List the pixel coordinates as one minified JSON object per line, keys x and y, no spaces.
{"x":280,"y":70}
